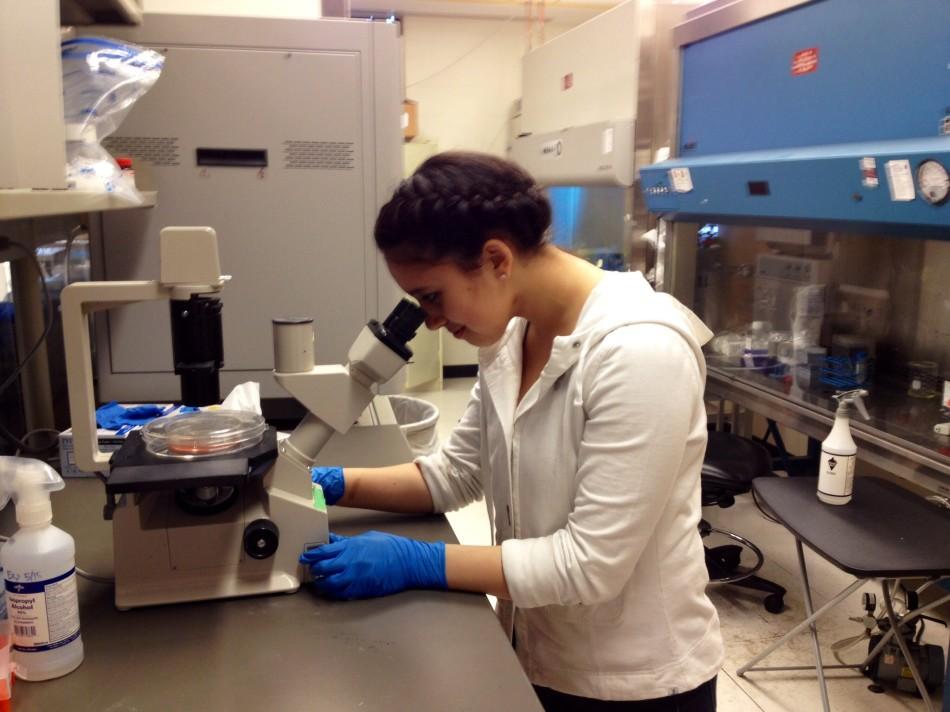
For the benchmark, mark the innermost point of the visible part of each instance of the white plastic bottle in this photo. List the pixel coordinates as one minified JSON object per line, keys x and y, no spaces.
{"x":839,"y":453}
{"x":39,"y":563}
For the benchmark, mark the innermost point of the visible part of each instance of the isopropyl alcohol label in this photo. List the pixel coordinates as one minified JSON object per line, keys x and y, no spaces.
{"x":43,"y":614}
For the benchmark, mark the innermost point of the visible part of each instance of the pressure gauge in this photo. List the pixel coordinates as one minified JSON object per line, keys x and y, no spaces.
{"x":933,"y":182}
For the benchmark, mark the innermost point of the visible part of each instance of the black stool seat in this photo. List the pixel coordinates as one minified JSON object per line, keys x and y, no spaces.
{"x":732,"y":462}
{"x":730,"y":465}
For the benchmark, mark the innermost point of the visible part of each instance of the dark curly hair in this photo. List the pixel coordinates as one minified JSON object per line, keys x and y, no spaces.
{"x":457,"y":200}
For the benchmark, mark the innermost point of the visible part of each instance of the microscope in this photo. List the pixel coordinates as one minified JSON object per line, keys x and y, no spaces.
{"x":227,"y":521}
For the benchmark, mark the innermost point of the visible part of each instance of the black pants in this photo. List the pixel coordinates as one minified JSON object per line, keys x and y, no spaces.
{"x":702,"y":699}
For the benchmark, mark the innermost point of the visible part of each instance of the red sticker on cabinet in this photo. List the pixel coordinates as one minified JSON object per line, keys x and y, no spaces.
{"x":805,"y":61}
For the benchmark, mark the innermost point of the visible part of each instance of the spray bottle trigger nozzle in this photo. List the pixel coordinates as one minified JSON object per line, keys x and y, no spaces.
{"x":859,"y":403}
{"x":855,"y":397}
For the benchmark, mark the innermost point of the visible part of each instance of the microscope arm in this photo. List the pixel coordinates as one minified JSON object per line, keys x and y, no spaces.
{"x":79,"y":300}
{"x":189,"y":265}
{"x":334,"y":396}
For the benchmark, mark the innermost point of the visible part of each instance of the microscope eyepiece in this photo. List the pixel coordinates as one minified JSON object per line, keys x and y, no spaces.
{"x":404,"y":320}
{"x":399,"y":327}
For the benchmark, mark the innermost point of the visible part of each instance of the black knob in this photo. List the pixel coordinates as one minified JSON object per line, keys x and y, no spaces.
{"x":261,"y":538}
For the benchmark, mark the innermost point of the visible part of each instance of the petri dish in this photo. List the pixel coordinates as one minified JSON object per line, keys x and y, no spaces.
{"x":203,"y":433}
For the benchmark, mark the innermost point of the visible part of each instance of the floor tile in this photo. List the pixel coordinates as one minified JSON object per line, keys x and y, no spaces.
{"x":730,"y":696}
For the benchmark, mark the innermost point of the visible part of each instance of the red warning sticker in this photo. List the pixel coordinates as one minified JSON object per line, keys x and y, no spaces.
{"x":805,"y":61}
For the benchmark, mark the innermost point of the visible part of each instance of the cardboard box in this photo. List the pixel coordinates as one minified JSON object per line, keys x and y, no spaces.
{"x":410,"y":119}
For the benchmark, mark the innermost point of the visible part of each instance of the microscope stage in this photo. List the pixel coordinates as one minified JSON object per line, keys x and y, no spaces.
{"x":134,"y":469}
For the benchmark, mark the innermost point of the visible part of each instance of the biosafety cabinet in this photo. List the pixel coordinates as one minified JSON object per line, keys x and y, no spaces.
{"x":805,"y":215}
{"x":282,"y":135}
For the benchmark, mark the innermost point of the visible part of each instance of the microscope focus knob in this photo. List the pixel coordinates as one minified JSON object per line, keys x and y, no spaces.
{"x":261,"y":538}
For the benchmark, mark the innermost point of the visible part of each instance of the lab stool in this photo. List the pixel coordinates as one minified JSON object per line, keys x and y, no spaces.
{"x":730,"y":465}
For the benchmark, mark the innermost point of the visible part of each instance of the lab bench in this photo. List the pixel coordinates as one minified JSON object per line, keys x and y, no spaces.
{"x":418,"y":650}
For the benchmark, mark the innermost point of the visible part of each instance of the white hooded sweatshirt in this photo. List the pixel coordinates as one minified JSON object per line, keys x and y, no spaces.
{"x":592,"y":484}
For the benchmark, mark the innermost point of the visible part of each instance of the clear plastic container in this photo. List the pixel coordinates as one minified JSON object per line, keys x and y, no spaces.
{"x":203,"y":433}
{"x":923,"y":381}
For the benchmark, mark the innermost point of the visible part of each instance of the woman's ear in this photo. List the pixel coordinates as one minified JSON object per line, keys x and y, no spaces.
{"x":499,"y":256}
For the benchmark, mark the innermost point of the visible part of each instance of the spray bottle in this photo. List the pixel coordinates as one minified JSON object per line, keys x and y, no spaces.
{"x":838,"y":451}
{"x":39,"y":563}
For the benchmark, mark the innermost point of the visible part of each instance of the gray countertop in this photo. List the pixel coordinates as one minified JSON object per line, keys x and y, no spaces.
{"x":419,"y":650}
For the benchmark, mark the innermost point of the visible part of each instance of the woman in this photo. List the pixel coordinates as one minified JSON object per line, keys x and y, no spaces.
{"x":585,"y":433}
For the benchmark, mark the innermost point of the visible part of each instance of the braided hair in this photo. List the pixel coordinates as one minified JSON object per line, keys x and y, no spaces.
{"x":457,"y":200}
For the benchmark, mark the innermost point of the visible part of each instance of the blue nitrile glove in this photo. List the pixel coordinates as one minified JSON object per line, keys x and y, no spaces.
{"x":122,"y":419}
{"x":112,"y":416}
{"x":375,"y":564}
{"x":331,"y":480}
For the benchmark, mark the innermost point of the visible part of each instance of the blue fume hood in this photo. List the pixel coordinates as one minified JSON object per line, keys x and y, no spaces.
{"x":831,"y":113}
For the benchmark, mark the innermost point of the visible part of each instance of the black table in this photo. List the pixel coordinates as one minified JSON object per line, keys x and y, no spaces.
{"x":885,"y":533}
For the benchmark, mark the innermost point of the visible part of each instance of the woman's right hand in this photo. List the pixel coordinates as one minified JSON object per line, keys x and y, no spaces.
{"x":330,"y":480}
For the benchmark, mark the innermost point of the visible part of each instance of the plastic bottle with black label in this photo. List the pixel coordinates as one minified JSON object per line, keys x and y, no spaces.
{"x":839,"y":452}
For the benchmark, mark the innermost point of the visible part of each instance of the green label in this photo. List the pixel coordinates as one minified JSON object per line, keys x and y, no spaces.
{"x":319,"y":502}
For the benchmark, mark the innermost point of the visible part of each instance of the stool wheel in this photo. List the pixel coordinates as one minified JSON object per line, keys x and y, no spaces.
{"x":775,"y":603}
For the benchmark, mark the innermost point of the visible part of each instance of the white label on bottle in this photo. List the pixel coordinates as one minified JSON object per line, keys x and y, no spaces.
{"x":43,"y":614}
{"x":837,"y":474}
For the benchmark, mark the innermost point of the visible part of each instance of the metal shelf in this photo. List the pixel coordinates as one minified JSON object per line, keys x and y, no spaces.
{"x":22,"y":204}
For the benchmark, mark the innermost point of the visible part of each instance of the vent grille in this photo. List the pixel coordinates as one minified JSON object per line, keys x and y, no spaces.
{"x":320,"y":155}
{"x":157,"y":150}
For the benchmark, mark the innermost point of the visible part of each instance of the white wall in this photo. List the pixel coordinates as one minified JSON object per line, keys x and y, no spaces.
{"x":254,"y":8}
{"x":466,"y":75}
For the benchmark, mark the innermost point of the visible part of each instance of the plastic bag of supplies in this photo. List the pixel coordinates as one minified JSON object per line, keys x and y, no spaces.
{"x":102,"y":79}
